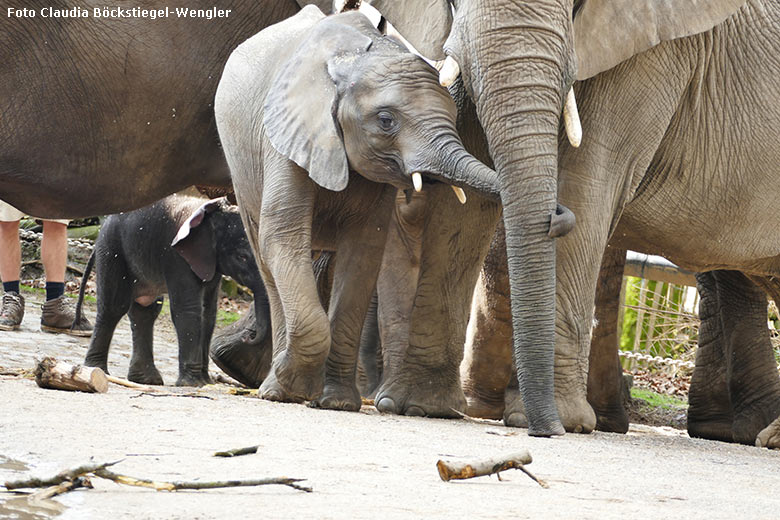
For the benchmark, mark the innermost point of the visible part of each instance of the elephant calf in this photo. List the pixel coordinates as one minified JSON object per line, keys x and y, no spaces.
{"x":179,"y":245}
{"x":322,"y":120}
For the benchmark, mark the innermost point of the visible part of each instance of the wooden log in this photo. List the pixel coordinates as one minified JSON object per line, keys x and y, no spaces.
{"x":452,"y":470}
{"x":237,"y":452}
{"x":50,"y":373}
{"x":67,"y":475}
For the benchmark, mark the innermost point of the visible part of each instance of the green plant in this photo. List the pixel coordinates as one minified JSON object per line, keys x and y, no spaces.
{"x":226,"y":317}
{"x":657,"y":400}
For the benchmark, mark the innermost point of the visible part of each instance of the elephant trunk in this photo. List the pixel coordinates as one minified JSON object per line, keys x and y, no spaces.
{"x":519,"y":101}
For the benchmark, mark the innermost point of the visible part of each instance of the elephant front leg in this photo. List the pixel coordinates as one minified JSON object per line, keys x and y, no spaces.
{"x":186,"y":298}
{"x":606,"y":389}
{"x":142,"y":369}
{"x":301,"y":328}
{"x":358,"y":258}
{"x":487,"y":365}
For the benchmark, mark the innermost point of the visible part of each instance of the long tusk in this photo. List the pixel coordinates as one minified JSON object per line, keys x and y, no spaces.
{"x":449,"y":72}
{"x":459,"y":193}
{"x":417,"y":181}
{"x":571,"y":120}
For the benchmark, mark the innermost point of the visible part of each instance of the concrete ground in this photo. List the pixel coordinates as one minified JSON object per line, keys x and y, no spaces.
{"x":360,"y":465}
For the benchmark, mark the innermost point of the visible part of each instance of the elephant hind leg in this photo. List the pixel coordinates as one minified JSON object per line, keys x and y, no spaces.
{"x":142,"y":369}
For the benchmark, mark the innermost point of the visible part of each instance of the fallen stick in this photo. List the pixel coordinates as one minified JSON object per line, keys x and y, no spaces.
{"x":59,"y":489}
{"x":151,"y":394}
{"x":454,"y":470}
{"x":176,"y":486}
{"x":129,"y":384}
{"x":62,"y":476}
{"x":236,"y":452}
{"x":50,"y":373}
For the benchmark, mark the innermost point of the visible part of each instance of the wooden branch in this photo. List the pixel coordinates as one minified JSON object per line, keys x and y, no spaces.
{"x":50,"y":373}
{"x":450,"y":470}
{"x":129,"y":384}
{"x":60,"y":489}
{"x":151,"y":394}
{"x":175,"y":486}
{"x":236,"y":452}
{"x":67,"y":475}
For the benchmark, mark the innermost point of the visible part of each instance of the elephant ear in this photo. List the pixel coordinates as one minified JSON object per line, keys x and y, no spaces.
{"x":607,"y":32}
{"x":195,"y":241}
{"x":300,"y":107}
{"x":424,"y":23}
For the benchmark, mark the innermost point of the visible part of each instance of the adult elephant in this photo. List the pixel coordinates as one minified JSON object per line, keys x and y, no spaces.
{"x":649,"y":70}
{"x":107,"y":115}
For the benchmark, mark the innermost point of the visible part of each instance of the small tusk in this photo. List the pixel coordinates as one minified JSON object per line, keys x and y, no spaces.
{"x":571,"y":120}
{"x":417,"y":181}
{"x":449,"y":72}
{"x":459,"y":193}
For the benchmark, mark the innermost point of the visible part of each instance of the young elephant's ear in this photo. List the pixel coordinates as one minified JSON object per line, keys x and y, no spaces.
{"x":607,"y":32}
{"x":300,"y":108}
{"x":424,"y":23}
{"x":195,"y":241}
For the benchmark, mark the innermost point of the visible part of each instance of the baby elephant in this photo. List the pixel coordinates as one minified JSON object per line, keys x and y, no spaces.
{"x":180,"y":246}
{"x":322,"y":120}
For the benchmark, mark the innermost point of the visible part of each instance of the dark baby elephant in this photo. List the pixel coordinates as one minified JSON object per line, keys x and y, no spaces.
{"x":180,"y":246}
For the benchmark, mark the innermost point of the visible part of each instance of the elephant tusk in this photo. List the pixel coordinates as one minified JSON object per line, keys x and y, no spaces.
{"x":459,"y":193}
{"x":449,"y":72}
{"x":571,"y":120}
{"x":417,"y":181}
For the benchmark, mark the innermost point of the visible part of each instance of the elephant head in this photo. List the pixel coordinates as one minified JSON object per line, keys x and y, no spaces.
{"x":350,"y":98}
{"x":518,"y":61}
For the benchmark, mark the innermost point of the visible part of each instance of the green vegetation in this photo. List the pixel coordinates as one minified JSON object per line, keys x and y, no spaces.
{"x":667,"y":402}
{"x":226,"y":317}
{"x":28,"y":289}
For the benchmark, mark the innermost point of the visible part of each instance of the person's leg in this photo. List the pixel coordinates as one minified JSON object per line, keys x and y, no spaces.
{"x":10,"y":254}
{"x":54,"y":255}
{"x":58,"y":311}
{"x":12,"y":310}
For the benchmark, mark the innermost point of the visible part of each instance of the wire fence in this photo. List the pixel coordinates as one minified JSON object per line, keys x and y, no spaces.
{"x":659,"y":326}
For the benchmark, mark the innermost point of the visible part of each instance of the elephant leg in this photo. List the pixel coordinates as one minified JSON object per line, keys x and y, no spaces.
{"x":358,"y":259}
{"x":455,"y":241}
{"x":606,"y":392}
{"x":754,"y":384}
{"x":142,"y":369}
{"x":370,"y":359}
{"x":487,"y":360}
{"x":207,"y":323}
{"x":710,"y":414}
{"x":114,"y":295}
{"x":186,"y":303}
{"x":300,"y":325}
{"x":396,"y":288}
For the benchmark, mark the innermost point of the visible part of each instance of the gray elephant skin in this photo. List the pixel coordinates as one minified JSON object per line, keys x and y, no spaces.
{"x":665,"y":104}
{"x":107,"y":116}
{"x":322,"y":120}
{"x":180,"y":246}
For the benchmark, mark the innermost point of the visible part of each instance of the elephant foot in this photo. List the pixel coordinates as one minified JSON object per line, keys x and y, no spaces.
{"x":751,"y":422}
{"x":484,"y":408}
{"x":612,"y":419}
{"x":422,"y":398}
{"x":715,"y":427}
{"x":339,"y":396}
{"x":147,"y":376}
{"x":769,"y":437}
{"x":576,"y":414}
{"x":292,"y":382}
{"x":100,"y":363}
{"x":191,"y":380}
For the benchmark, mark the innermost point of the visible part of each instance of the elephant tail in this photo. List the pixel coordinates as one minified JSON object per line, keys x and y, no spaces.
{"x":83,"y":288}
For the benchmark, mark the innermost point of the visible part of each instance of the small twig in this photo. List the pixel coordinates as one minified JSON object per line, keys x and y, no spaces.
{"x":175,"y":486}
{"x":129,"y":384}
{"x":150,"y":394}
{"x":236,"y":452}
{"x":68,"y":474}
{"x":539,"y":481}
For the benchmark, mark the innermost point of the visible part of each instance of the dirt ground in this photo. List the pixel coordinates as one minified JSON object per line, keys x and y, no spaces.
{"x":360,"y":465}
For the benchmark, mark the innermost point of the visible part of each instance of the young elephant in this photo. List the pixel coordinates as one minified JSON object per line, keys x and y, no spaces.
{"x":179,"y":245}
{"x":302,"y":108}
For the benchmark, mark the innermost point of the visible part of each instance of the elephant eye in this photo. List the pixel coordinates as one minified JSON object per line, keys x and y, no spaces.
{"x":386,"y":121}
